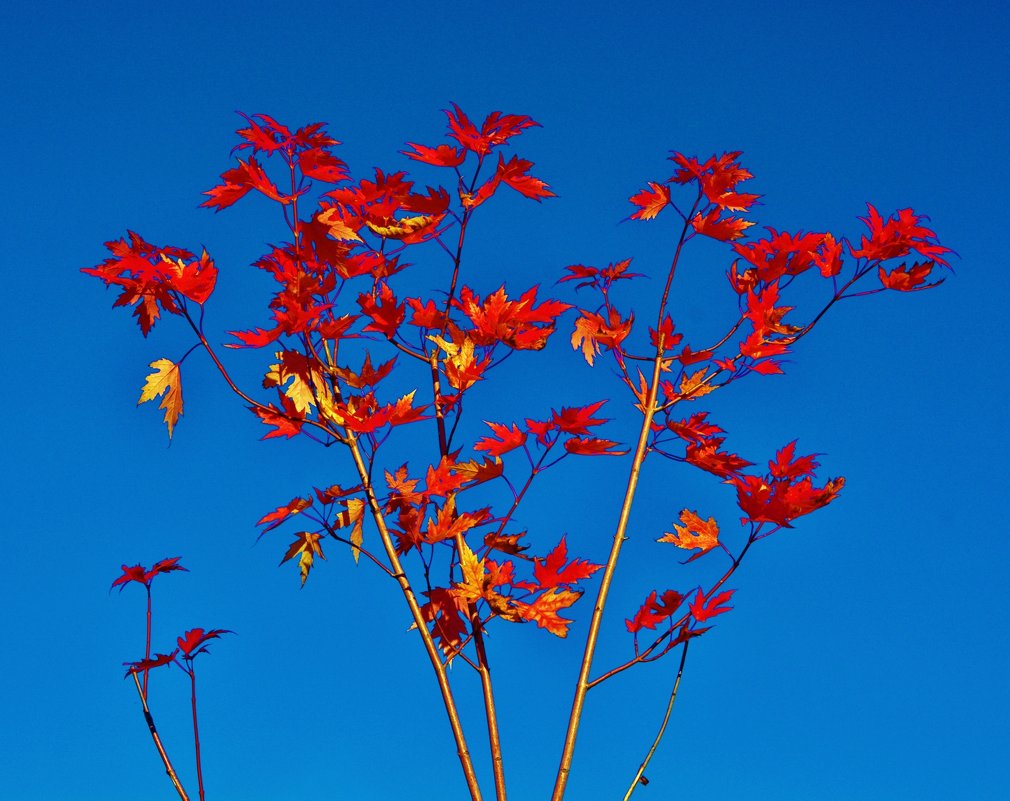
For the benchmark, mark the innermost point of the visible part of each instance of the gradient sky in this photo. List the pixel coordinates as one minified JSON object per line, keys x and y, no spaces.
{"x":866,"y":655}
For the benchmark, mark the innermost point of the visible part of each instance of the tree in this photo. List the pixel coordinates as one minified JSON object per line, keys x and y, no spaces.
{"x":359,"y":354}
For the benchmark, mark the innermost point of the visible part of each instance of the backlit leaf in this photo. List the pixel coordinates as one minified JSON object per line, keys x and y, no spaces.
{"x":165,"y":381}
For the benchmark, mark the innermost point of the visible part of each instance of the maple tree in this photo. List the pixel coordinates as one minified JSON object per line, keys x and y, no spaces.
{"x":460,"y":564}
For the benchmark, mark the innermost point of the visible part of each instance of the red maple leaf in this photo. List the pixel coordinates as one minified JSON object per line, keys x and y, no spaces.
{"x":441,"y":156}
{"x":322,"y":165}
{"x":577,"y":419}
{"x":385,"y":313}
{"x":442,"y":479}
{"x":784,"y":254}
{"x":445,"y":612}
{"x":706,"y":455}
{"x":600,"y":278}
{"x":591,"y":446}
{"x":670,"y":339}
{"x":267,"y":138}
{"x":654,"y":611}
{"x":897,"y":236}
{"x":426,"y":316}
{"x":905,"y":279}
{"x":195,"y":279}
{"x":144,"y":665}
{"x":780,"y":501}
{"x":717,"y":178}
{"x":592,"y":331}
{"x":367,"y":376}
{"x":154,"y":279}
{"x":552,"y":570}
{"x":282,"y":513}
{"x":194,"y":641}
{"x":695,"y":428}
{"x":238,"y":181}
{"x":725,"y":229}
{"x":287,"y":422}
{"x":497,"y":129}
{"x":507,"y":439}
{"x":521,"y":324}
{"x":142,"y":575}
{"x":828,"y":256}
{"x":787,"y":465}
{"x":650,"y":201}
{"x":703,"y":608}
{"x":514,"y":174}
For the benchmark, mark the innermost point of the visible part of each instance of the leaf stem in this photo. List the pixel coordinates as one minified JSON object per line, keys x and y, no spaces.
{"x":196,"y":729}
{"x":147,"y":640}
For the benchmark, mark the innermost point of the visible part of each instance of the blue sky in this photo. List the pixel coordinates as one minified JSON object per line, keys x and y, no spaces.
{"x":866,"y":653}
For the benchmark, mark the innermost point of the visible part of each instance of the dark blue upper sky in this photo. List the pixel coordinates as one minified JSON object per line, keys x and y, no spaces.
{"x":866,"y":654}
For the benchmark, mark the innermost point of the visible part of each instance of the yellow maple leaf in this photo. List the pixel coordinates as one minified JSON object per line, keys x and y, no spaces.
{"x":459,"y":359}
{"x":401,"y":228}
{"x":167,"y":381}
{"x":354,"y":516}
{"x":294,"y":367}
{"x":338,"y":228}
{"x":472,"y":586}
{"x":584,"y":337}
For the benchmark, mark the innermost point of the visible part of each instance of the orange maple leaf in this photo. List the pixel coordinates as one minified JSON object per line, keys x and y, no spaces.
{"x":307,"y":545}
{"x":544,"y":610}
{"x":694,"y":533}
{"x":695,"y":385}
{"x":592,"y":331}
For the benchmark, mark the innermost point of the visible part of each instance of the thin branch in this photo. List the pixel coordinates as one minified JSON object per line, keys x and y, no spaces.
{"x":640,"y":775}
{"x":157,"y":742}
{"x":430,"y":648}
{"x":196,"y":729}
{"x":582,"y":684}
{"x":147,"y":640}
{"x":645,"y":655}
{"x":648,"y":412}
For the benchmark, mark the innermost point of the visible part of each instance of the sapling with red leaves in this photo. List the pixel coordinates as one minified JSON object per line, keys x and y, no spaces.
{"x":353,"y":360}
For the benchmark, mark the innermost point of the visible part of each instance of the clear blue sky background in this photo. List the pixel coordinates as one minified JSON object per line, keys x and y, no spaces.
{"x":866,"y":656}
